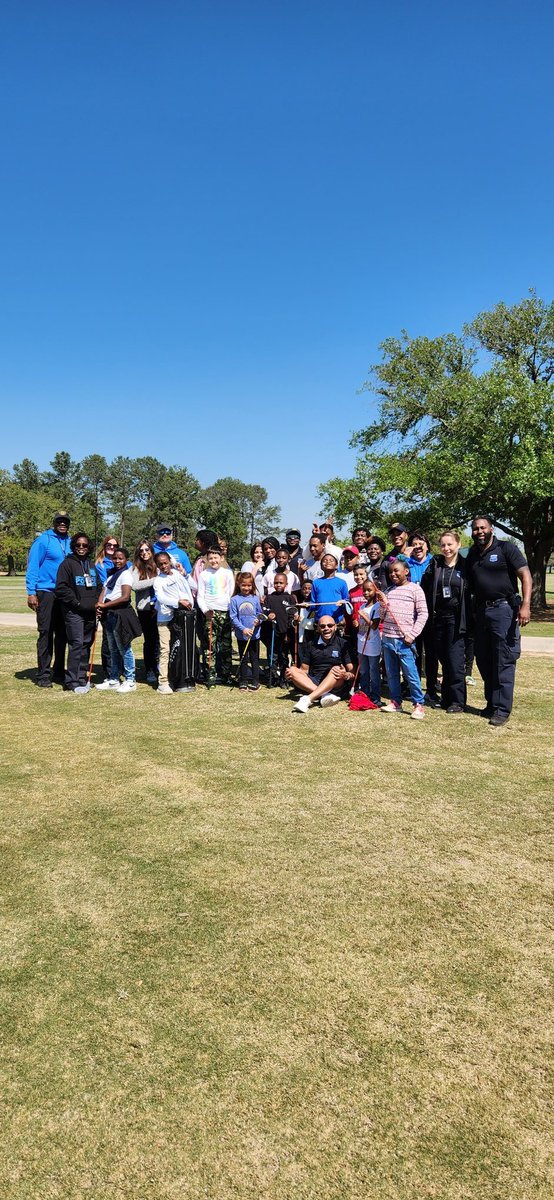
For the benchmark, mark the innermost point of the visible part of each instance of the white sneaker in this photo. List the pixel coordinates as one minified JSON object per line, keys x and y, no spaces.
{"x":127,"y":686}
{"x":164,"y":689}
{"x":391,"y":707}
{"x":107,"y":685}
{"x":328,"y":700}
{"x":418,"y":712}
{"x":302,"y":705}
{"x":470,"y":681}
{"x":184,"y":689}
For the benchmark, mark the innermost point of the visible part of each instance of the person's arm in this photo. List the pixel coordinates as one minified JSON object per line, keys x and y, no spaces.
{"x":34,"y":562}
{"x":421,"y":611}
{"x":64,"y":590}
{"x":123,"y":599}
{"x":201,"y":594}
{"x":524,"y":614}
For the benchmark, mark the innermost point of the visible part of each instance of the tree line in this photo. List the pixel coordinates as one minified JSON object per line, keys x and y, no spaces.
{"x":128,"y":497}
{"x":464,"y":426}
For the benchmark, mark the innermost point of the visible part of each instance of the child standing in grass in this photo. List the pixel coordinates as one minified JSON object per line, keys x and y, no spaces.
{"x":245,"y":612}
{"x":369,"y":643}
{"x":216,"y":584}
{"x":405,"y":615}
{"x":172,"y":591}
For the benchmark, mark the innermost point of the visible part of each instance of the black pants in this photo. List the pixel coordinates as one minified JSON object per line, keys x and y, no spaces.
{"x":151,"y":647}
{"x":497,"y":649}
{"x":249,"y":657}
{"x":470,"y":652}
{"x":80,"y":632}
{"x":426,"y":658}
{"x":283,"y":645}
{"x":182,"y":652}
{"x":51,"y":637}
{"x":450,"y":649}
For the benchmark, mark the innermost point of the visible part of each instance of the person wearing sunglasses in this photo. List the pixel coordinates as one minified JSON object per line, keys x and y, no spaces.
{"x":179,"y":558}
{"x":47,"y":552}
{"x":327,"y":672}
{"x":105,"y":557}
{"x":78,"y":586}
{"x":143,"y":574}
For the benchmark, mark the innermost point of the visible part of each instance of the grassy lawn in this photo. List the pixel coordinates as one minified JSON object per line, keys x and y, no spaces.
{"x":247,"y":954}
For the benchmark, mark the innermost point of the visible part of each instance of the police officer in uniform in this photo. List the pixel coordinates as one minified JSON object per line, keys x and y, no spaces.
{"x":493,"y":569}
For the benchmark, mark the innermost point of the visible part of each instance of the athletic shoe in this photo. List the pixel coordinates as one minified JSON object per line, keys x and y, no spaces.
{"x":45,"y":683}
{"x":418,"y":712}
{"x":253,"y":687}
{"x":432,"y":700}
{"x":164,"y":689}
{"x":302,"y":705}
{"x":486,"y":712}
{"x":499,"y":718}
{"x":127,"y":686}
{"x":328,"y":700}
{"x":243,"y":687}
{"x":151,"y":677}
{"x":392,"y":707}
{"x":82,"y":691}
{"x":455,"y":708}
{"x":470,"y":681}
{"x":185,"y":689}
{"x":108,"y":685}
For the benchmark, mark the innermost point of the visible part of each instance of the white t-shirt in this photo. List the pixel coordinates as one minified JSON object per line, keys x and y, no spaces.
{"x":373,"y":645}
{"x":126,"y":578}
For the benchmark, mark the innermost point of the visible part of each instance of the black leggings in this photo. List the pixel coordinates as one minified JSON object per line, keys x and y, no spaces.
{"x":151,"y":650}
{"x":250,"y":656}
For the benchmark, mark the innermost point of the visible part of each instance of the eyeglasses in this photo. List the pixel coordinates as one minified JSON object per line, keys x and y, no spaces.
{"x":81,"y":545}
{"x":111,"y":545}
{"x":145,"y":550}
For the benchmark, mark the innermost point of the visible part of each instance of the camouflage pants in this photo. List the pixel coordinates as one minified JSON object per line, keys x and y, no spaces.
{"x":222,"y":654}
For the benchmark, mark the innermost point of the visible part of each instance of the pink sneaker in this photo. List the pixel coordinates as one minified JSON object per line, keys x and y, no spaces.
{"x":392,"y":707}
{"x":418,"y":713}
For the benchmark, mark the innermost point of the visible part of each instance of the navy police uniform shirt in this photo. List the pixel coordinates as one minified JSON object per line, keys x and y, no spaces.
{"x":493,"y":575}
{"x":319,"y":656}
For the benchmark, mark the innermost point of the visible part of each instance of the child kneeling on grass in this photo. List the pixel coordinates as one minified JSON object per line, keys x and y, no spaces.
{"x":172,"y":591}
{"x":405,"y":615}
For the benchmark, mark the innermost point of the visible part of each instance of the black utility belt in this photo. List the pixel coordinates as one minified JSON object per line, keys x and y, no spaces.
{"x":496,"y":603}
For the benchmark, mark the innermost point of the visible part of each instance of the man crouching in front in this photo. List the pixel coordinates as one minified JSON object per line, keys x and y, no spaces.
{"x":326,"y":673}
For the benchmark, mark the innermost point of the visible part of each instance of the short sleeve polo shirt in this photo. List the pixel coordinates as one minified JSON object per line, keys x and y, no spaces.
{"x":319,"y":656}
{"x":493,"y":575}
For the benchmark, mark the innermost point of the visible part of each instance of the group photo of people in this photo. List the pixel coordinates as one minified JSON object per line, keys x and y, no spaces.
{"x":366,"y":623}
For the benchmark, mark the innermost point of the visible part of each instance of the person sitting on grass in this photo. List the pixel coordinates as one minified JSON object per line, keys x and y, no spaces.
{"x":326,"y":673}
{"x":172,"y":591}
{"x":245,"y":612}
{"x":215,"y":589}
{"x":405,"y":615}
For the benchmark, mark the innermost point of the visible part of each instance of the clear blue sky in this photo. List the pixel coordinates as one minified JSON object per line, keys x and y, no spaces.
{"x":212,"y":213}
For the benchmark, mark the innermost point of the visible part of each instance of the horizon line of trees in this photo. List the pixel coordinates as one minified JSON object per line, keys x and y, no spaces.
{"x":464,"y":424}
{"x":128,"y":497}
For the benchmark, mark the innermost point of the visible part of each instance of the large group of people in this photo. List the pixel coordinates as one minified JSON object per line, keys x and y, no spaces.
{"x":337,"y":622}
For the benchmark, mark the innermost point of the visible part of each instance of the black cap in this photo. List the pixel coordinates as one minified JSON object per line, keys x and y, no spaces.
{"x":397,"y":528}
{"x":61,"y":516}
{"x":163,"y":527}
{"x":296,"y":531}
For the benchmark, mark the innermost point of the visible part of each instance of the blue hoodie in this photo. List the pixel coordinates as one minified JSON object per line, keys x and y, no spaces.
{"x":45,"y":556}
{"x":176,"y":552}
{"x":418,"y":569}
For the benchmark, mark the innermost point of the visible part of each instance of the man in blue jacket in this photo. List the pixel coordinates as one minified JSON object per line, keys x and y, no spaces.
{"x":165,"y":542}
{"x":47,"y":552}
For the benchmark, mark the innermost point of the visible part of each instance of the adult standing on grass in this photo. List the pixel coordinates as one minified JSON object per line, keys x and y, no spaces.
{"x":104,"y":565}
{"x":494,"y":569}
{"x":449,"y":619}
{"x":143,"y":574}
{"x":327,"y":672}
{"x":47,"y":552}
{"x":78,"y":587}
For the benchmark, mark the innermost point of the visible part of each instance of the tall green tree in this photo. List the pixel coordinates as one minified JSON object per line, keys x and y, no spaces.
{"x":27,"y":475}
{"x":122,"y":491}
{"x":64,"y":478}
{"x":465,"y":424}
{"x":93,"y":481}
{"x":239,"y":512}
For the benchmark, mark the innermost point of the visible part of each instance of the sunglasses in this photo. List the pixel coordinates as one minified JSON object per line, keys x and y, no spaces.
{"x":81,"y":545}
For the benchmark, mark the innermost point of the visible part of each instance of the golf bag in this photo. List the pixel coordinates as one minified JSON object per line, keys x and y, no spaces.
{"x":182,"y":653}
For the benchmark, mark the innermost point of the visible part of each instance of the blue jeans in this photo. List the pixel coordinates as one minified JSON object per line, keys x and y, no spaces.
{"x":122,"y":659}
{"x":370,"y":676}
{"x":397,"y":654}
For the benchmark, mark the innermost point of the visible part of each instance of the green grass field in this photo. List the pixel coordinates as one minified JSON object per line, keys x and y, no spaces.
{"x":247,"y":954}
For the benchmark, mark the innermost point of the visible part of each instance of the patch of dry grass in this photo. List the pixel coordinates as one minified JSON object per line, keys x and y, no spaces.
{"x":247,"y":954}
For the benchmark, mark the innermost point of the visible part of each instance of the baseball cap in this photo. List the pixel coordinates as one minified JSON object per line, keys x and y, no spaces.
{"x":61,"y":516}
{"x":397,"y":528}
{"x":164,"y":527}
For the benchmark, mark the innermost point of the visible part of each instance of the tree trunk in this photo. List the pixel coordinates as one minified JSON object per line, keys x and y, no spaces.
{"x":537,"y":555}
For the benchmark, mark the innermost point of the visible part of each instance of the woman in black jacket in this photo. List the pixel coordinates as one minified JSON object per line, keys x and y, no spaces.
{"x":78,"y":586}
{"x":449,"y":612}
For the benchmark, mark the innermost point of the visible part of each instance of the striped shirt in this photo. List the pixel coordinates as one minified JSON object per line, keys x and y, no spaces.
{"x":405,"y":611}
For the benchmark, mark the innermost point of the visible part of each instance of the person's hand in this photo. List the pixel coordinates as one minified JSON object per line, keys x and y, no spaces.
{"x":524,"y":614}
{"x":271,"y":616}
{"x":339,"y":672}
{"x":355,"y":623}
{"x":249,"y":631}
{"x":288,"y":673}
{"x":210,"y":614}
{"x":179,"y":567}
{"x":32,"y":602}
{"x":408,"y":639}
{"x":185,"y":604}
{"x":315,"y":527}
